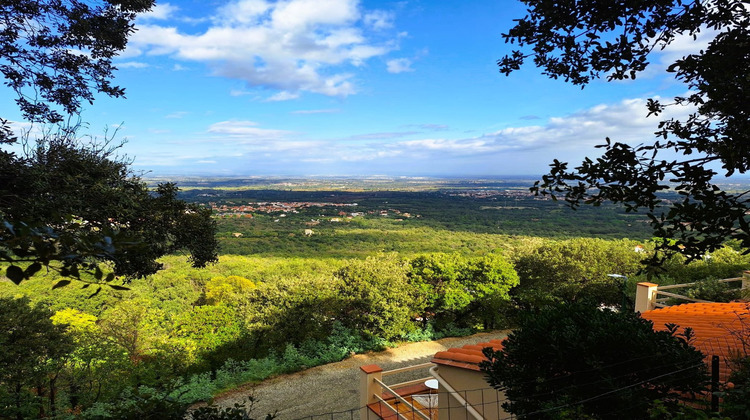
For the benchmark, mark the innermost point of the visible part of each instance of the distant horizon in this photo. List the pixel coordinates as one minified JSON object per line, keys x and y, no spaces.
{"x":351,"y":176}
{"x":733,"y":179}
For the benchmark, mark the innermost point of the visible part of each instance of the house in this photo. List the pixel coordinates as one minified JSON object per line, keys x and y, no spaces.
{"x":720,"y":329}
{"x":457,"y":389}
{"x":463,"y":387}
{"x":454,"y":389}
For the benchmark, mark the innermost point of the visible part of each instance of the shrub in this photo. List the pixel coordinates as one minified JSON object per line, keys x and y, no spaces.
{"x":594,"y":364}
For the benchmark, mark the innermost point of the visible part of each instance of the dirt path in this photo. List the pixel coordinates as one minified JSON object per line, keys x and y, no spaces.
{"x":334,"y":387}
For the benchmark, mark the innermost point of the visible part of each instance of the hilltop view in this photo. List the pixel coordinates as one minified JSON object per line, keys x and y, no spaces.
{"x":198,"y":198}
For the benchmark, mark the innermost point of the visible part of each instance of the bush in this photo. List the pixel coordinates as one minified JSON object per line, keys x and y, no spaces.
{"x":710,"y":289}
{"x":737,"y":397}
{"x":593,"y":363}
{"x":143,"y":403}
{"x":238,"y":412}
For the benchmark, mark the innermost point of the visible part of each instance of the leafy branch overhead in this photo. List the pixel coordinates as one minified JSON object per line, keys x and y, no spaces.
{"x":583,"y":40}
{"x":72,"y":205}
{"x":59,"y":53}
{"x":81,"y":207}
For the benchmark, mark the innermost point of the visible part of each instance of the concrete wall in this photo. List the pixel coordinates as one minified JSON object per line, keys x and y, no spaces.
{"x":471,"y":385}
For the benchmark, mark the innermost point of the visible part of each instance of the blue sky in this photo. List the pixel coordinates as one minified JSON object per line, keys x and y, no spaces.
{"x":347,"y":87}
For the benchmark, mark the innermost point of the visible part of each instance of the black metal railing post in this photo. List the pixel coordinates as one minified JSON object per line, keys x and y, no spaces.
{"x":714,"y":384}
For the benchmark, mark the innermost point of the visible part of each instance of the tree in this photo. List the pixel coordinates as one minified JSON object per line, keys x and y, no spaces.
{"x":77,"y":205}
{"x":581,"y":40}
{"x":576,"y":270}
{"x":436,"y":279}
{"x":228,"y":290}
{"x":94,"y":369}
{"x":58,"y":53}
{"x":64,"y":201}
{"x":452,"y":288}
{"x":32,"y":347}
{"x":576,"y":361}
{"x":375,"y":297}
{"x":489,"y":279}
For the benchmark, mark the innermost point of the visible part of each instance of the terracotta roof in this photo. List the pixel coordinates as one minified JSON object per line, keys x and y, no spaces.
{"x":712,"y":323}
{"x":467,"y":357}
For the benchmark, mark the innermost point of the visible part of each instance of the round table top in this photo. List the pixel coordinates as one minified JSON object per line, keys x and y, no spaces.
{"x":431,"y":383}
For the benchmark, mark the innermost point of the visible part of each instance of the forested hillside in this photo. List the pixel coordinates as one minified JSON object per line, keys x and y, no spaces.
{"x":406,"y":266}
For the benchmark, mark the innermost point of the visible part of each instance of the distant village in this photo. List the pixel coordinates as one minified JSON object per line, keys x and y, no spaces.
{"x":514,"y":193}
{"x":223,"y":210}
{"x":270,"y":207}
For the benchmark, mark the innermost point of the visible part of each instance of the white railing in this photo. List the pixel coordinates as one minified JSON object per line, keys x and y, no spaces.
{"x":401,"y":399}
{"x":649,"y":296}
{"x":372,"y":389}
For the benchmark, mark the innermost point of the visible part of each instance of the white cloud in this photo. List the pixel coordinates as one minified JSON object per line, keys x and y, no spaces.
{"x":623,"y":122}
{"x":178,"y":67}
{"x":399,"y":65}
{"x":379,"y":19}
{"x":132,"y":65}
{"x":161,"y":11}
{"x":525,"y":148}
{"x":282,"y":96}
{"x":242,"y":12}
{"x":247,"y":130}
{"x":176,"y":115}
{"x":290,"y":45}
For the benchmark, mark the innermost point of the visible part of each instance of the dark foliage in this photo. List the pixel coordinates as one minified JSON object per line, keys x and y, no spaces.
{"x":579,"y":41}
{"x":736,"y":404}
{"x":79,"y":206}
{"x":32,"y":350}
{"x":59,"y":53}
{"x":578,"y":361}
{"x":238,"y":412}
{"x":66,"y":202}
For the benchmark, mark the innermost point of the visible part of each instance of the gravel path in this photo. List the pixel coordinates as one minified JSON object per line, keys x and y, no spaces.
{"x":334,"y":387}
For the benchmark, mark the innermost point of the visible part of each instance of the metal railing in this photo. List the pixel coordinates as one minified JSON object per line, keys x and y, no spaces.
{"x":662,"y":297}
{"x":651,"y":296}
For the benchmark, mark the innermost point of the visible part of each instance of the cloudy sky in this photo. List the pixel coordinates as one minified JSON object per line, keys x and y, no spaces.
{"x":347,"y":87}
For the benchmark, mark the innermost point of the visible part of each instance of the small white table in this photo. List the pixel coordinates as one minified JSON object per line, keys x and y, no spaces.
{"x":431,"y":383}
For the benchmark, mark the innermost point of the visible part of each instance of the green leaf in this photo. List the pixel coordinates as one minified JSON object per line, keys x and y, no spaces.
{"x":61,"y":283}
{"x":110,"y":277}
{"x":15,"y":274}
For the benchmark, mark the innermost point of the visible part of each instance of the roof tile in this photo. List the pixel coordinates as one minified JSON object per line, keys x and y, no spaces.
{"x":466,"y":357}
{"x":710,"y":322}
{"x":715,"y":327}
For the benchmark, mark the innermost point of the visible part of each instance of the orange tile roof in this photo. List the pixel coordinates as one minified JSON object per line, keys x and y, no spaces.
{"x":467,"y":357}
{"x":713,"y":325}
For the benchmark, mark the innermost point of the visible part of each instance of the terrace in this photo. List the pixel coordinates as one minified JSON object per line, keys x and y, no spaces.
{"x":454,"y":388}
